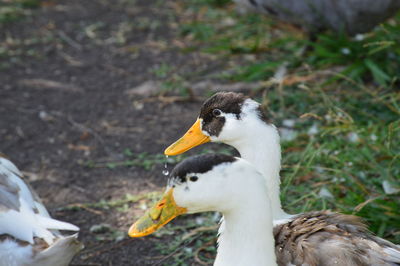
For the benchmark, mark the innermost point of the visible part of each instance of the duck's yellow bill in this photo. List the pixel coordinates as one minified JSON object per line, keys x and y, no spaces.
{"x":159,"y":215}
{"x":192,"y":138}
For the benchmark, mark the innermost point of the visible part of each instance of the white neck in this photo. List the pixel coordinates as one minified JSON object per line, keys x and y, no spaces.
{"x":247,"y":237}
{"x":261,"y":148}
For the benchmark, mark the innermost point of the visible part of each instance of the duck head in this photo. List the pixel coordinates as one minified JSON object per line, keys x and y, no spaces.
{"x":225,"y":117}
{"x":210,"y":182}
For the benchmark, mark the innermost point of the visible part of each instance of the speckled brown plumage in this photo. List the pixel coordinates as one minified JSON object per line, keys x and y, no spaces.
{"x":325,"y":238}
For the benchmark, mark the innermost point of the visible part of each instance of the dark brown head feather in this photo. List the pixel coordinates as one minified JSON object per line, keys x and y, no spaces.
{"x":227,"y":102}
{"x":262,"y":114}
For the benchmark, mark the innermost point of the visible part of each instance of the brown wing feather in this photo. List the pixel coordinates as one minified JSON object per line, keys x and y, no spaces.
{"x":326,"y":238}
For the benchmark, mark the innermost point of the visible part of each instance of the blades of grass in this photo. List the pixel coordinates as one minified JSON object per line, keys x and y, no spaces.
{"x":381,"y":229}
{"x":355,"y":70}
{"x":379,"y":75}
{"x":379,"y":46}
{"x":254,"y":72}
{"x":307,"y":157}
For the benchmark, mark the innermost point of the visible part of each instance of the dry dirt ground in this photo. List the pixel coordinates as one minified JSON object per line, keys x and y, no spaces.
{"x":69,"y":107}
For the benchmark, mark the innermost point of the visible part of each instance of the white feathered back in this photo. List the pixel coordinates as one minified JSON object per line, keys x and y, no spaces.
{"x":22,"y":215}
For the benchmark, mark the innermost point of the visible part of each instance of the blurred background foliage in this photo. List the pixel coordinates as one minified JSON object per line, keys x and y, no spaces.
{"x":11,"y":10}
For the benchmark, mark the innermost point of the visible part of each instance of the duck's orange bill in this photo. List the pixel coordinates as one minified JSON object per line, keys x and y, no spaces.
{"x":159,"y":215}
{"x":192,"y":138}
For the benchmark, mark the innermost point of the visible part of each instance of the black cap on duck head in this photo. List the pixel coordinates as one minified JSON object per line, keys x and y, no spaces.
{"x":199,"y":164}
{"x":227,"y":103}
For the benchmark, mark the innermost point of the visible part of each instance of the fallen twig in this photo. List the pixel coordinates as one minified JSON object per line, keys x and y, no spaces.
{"x":49,"y":84}
{"x":83,"y":206}
{"x":200,"y":230}
{"x":203,"y":247}
{"x":68,"y":40}
{"x":177,"y":250}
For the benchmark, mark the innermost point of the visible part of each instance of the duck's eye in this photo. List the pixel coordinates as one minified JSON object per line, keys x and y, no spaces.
{"x":193,"y":178}
{"x":216,"y":112}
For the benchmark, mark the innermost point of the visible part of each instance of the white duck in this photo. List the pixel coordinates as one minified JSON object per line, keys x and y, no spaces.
{"x":235,"y":188}
{"x":28,"y":235}
{"x":238,"y":121}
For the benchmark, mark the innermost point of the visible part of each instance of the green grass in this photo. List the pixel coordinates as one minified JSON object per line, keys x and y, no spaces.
{"x":373,"y":56}
{"x":16,"y":9}
{"x":13,"y":49}
{"x":356,"y":149}
{"x":352,"y":99}
{"x":194,"y":237}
